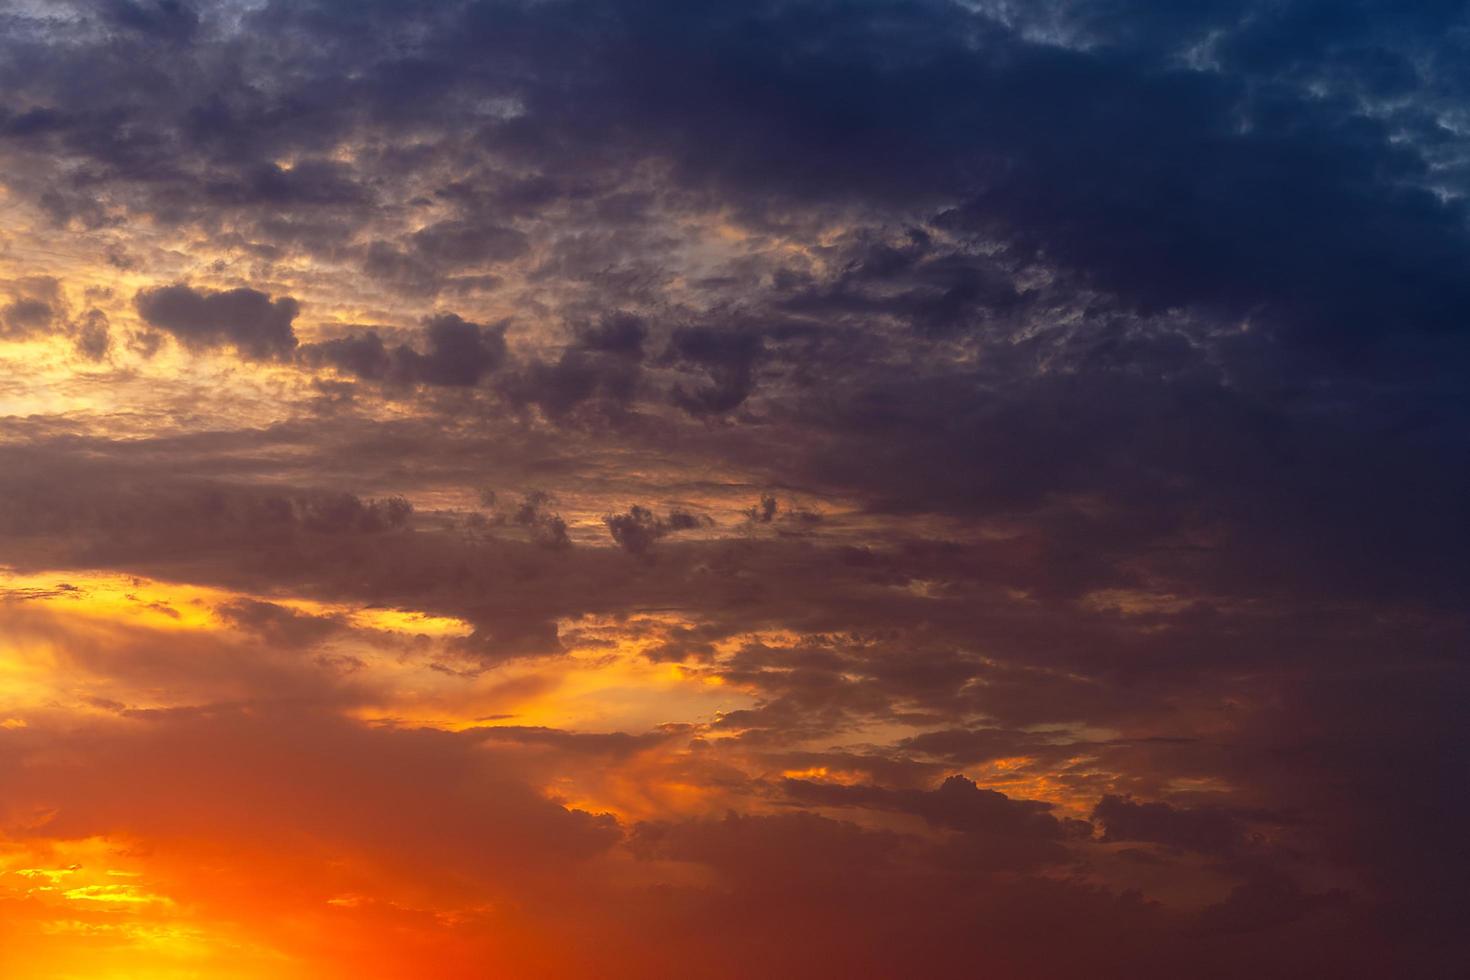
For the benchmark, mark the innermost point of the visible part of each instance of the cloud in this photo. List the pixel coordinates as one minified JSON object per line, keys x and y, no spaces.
{"x":34,"y":307}
{"x":1266,"y":901}
{"x":94,"y":338}
{"x":600,"y":372}
{"x":37,"y":306}
{"x":452,"y":352}
{"x":280,"y":625}
{"x":1001,"y":833}
{"x":369,"y":791}
{"x":728,"y":357}
{"x":621,"y":334}
{"x":459,"y":352}
{"x":1120,"y":346}
{"x":765,"y":511}
{"x":637,"y":530}
{"x":257,"y":326}
{"x":25,"y":316}
{"x":174,"y":20}
{"x":307,"y":183}
{"x":1203,"y":830}
{"x":457,"y":243}
{"x":546,"y":528}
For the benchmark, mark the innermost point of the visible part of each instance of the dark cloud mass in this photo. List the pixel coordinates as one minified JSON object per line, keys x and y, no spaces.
{"x":249,"y":320}
{"x":1200,"y":830}
{"x":637,"y":530}
{"x":979,"y":489}
{"x":451,"y":351}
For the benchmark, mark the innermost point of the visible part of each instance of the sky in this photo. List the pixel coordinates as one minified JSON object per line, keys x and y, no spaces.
{"x":793,"y":489}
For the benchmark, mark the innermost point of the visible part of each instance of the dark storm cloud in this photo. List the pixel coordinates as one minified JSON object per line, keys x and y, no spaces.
{"x":252,"y":322}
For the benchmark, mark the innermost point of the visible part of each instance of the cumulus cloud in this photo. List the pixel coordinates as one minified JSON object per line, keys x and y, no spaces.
{"x":34,"y":306}
{"x":451,"y":352}
{"x":729,"y":359}
{"x":636,"y":530}
{"x":256,"y":325}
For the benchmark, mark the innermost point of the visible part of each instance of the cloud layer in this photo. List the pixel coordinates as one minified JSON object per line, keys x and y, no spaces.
{"x":800,"y":489}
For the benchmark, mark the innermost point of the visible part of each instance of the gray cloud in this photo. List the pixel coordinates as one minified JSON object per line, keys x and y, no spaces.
{"x":250,"y":321}
{"x":452,"y":352}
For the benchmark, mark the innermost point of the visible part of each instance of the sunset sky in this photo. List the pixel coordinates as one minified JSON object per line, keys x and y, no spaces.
{"x":761,"y":490}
